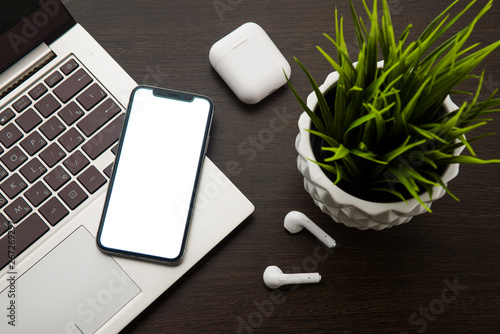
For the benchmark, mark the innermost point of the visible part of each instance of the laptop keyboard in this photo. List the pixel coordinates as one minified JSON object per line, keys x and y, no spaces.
{"x":49,"y":138}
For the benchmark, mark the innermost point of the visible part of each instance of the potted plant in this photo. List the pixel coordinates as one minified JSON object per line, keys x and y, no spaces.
{"x":380,"y":140}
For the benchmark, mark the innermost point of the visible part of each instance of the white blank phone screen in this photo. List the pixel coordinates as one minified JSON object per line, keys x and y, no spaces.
{"x":154,"y":181}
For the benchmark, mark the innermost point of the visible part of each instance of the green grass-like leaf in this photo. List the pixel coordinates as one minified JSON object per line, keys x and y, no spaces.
{"x":389,"y":120}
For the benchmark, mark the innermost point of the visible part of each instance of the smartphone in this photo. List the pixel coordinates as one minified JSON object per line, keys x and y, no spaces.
{"x":155,"y":175}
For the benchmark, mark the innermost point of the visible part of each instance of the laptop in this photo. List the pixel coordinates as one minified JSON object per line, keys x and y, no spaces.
{"x":62,"y":102}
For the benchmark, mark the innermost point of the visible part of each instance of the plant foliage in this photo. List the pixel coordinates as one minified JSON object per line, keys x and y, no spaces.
{"x":385,"y":131}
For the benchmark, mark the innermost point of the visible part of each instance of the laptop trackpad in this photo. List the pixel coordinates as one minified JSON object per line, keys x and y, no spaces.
{"x":79,"y":299}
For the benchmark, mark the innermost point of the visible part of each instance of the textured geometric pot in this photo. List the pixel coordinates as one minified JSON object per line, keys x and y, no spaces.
{"x":345,"y":208}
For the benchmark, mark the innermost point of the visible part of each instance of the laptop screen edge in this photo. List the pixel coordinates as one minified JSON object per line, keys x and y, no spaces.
{"x":43,"y":25}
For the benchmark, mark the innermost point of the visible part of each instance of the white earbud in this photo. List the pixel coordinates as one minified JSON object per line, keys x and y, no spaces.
{"x":295,"y":221}
{"x":274,"y":278}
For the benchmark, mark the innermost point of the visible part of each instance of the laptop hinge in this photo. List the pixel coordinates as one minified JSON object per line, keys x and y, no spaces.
{"x":24,"y":68}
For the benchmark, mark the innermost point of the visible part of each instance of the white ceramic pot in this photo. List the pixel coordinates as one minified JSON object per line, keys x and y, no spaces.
{"x":343,"y":207}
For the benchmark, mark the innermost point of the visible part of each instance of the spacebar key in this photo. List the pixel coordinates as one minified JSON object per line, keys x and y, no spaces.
{"x":104,"y":138}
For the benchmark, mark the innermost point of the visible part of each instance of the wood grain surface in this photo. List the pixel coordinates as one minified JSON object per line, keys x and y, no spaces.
{"x":437,"y":274}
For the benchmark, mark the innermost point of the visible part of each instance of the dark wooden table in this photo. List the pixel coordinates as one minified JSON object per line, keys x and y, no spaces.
{"x":440,"y":273}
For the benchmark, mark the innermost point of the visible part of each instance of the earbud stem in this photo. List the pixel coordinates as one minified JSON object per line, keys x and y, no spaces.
{"x":300,"y":278}
{"x":321,"y":235}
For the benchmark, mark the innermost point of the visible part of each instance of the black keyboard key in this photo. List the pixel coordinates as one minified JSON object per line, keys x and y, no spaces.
{"x":52,"y":128}
{"x":38,"y":91}
{"x":47,"y":105}
{"x":71,"y":113}
{"x":3,"y":173}
{"x":73,"y":195}
{"x":91,"y":96}
{"x":92,"y":179}
{"x":52,"y":154}
{"x":53,"y":211}
{"x":98,"y":117}
{"x":114,"y":149}
{"x":3,"y":201}
{"x":10,"y":135}
{"x":6,"y":116}
{"x":57,"y":178}
{"x":14,"y":158}
{"x":33,"y":170}
{"x":74,"y":84}
{"x":13,"y":186}
{"x":109,"y":170}
{"x":37,"y":193}
{"x":22,"y":103}
{"x":104,"y":138}
{"x":76,"y":162}
{"x":53,"y":79}
{"x":28,"y":120}
{"x":69,"y":67}
{"x":4,"y":224}
{"x":71,"y":139}
{"x":25,"y":234}
{"x":18,"y":209}
{"x":33,"y":143}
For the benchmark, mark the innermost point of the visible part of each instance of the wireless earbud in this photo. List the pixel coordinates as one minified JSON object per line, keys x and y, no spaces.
{"x":295,"y":221}
{"x":274,"y":278}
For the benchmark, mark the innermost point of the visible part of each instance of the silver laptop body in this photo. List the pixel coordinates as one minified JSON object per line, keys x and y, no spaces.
{"x":56,"y":151}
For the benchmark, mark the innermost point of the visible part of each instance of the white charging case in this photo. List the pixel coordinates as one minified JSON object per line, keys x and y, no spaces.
{"x":250,"y":63}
